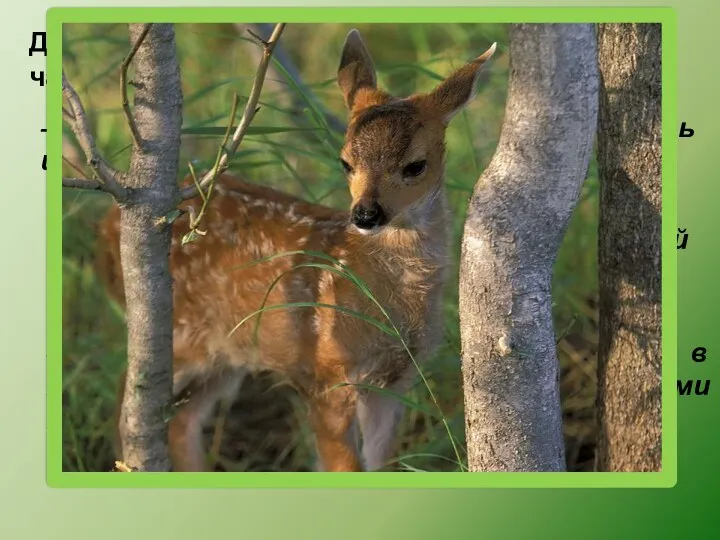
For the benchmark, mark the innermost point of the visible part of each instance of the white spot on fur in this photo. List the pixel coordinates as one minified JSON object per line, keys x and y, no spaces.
{"x":326,"y":280}
{"x":317,"y":322}
{"x":307,"y":220}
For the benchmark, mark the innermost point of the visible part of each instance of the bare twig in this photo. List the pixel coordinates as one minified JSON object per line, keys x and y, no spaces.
{"x":68,"y":116}
{"x":74,"y":167}
{"x":123,"y":84}
{"x":195,"y":221}
{"x":261,"y":40}
{"x":79,"y":124}
{"x":83,"y":183}
{"x":251,"y":108}
{"x":282,"y":58}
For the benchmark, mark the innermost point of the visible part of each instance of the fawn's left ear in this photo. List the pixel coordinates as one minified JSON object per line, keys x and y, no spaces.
{"x":459,"y":88}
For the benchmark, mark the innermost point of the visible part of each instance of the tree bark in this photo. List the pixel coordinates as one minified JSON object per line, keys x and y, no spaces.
{"x":629,"y":156}
{"x":144,"y":249}
{"x":516,"y":221}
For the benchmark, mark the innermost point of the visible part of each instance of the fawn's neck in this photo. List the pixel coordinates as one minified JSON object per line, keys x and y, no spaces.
{"x":408,"y":266}
{"x":421,"y":235}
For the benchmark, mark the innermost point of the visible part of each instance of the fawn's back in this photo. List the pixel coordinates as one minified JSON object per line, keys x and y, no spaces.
{"x":394,"y":238}
{"x":218,"y":282}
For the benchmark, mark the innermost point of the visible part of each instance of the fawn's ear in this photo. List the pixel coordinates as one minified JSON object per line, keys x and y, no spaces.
{"x":459,"y":88}
{"x":356,"y":68}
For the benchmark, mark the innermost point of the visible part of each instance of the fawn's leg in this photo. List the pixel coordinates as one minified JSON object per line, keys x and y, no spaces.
{"x":187,"y":450}
{"x":379,"y":416}
{"x":333,"y":419}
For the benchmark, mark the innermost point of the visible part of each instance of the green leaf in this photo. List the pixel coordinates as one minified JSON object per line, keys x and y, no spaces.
{"x":317,"y":114}
{"x":189,"y":237}
{"x":410,"y":468}
{"x":110,"y":68}
{"x":218,"y":131}
{"x":258,"y":164}
{"x":319,"y":266}
{"x":99,"y":37}
{"x":293,"y":305}
{"x":207,"y":121}
{"x":388,"y":393}
{"x":208,"y":89}
{"x":330,"y":161}
{"x":173,"y":215}
{"x":421,"y":455}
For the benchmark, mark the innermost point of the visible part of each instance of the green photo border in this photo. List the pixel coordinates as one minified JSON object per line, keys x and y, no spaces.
{"x":56,"y":17}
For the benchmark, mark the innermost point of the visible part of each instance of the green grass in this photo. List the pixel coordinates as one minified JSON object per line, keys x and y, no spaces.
{"x":293,"y":149}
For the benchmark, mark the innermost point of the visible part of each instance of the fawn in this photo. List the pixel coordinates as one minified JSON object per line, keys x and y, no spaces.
{"x":395,"y":238}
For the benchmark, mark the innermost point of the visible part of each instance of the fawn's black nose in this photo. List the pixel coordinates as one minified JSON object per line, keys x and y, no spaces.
{"x":368,"y":216}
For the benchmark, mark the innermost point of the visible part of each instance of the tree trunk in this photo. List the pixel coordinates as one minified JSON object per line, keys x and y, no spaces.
{"x":144,"y":249}
{"x":629,"y":157}
{"x":515,"y":224}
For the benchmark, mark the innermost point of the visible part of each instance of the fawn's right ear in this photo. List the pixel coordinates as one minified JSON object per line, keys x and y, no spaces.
{"x":356,"y":68}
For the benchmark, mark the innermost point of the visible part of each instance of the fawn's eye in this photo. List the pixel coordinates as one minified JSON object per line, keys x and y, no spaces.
{"x":415,"y":168}
{"x":346,"y":166}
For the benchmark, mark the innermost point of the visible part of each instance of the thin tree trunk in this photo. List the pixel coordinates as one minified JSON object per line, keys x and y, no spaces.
{"x":516,"y":221}
{"x":629,"y":156}
{"x":144,"y":249}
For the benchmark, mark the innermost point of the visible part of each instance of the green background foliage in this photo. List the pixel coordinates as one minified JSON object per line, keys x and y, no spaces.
{"x":291,"y":148}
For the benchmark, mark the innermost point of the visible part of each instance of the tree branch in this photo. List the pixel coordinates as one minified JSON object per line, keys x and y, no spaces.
{"x":283,"y":58}
{"x":83,"y":183}
{"x":195,"y":221}
{"x":123,"y":85}
{"x":74,"y":167}
{"x":79,"y":124}
{"x":68,"y":116}
{"x":251,"y":108}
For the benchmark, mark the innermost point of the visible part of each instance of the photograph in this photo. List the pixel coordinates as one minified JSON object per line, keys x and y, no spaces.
{"x":361,"y":247}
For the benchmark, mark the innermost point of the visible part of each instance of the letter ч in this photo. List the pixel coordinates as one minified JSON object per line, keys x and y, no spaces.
{"x":38,"y":77}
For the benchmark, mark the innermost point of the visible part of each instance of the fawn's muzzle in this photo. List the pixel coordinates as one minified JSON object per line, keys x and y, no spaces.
{"x":368,"y":216}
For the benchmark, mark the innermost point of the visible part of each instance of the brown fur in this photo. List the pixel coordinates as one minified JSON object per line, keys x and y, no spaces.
{"x":316,"y":348}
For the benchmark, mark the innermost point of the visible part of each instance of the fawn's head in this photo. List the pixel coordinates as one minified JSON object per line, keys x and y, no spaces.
{"x":395,"y":147}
